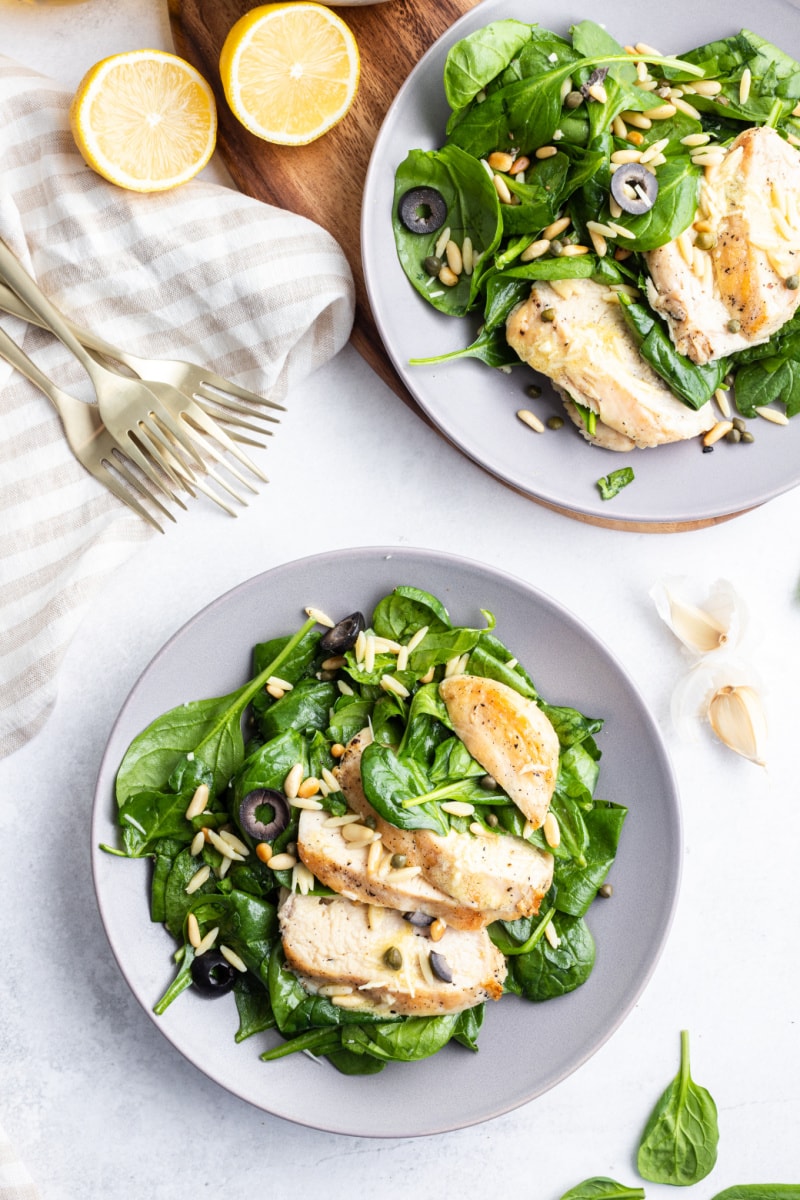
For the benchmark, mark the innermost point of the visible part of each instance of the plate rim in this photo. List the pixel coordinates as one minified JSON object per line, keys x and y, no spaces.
{"x":103,"y":796}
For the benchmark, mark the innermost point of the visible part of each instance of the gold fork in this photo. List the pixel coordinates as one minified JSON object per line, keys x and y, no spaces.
{"x":88,"y":439}
{"x":137,"y":416}
{"x":220,"y":397}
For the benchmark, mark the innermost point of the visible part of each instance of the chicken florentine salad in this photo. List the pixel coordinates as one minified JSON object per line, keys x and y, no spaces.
{"x":627,"y":224}
{"x":409,"y":830}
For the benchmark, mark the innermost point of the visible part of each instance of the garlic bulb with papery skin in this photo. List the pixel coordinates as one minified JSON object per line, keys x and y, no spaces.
{"x":726,"y":694}
{"x":717,"y":622}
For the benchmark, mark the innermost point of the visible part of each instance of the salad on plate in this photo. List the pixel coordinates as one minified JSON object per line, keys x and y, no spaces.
{"x":406,"y":831}
{"x":624,"y":222}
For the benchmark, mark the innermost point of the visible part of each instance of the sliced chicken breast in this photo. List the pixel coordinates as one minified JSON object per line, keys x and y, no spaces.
{"x":345,"y":868}
{"x":509,"y":736}
{"x":337,"y":946}
{"x":578,"y":337}
{"x":499,"y":876}
{"x":733,"y":294}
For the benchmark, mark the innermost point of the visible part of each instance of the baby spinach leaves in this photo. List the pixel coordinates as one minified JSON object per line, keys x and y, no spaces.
{"x":478,"y":58}
{"x":602,"y":1188}
{"x":679,"y":1143}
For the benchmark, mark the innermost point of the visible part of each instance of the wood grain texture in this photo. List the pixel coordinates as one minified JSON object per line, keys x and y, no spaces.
{"x":323,"y":181}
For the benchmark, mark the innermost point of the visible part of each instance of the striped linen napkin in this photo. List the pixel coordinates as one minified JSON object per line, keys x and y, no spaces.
{"x":15,"y":1182}
{"x":201,"y":273}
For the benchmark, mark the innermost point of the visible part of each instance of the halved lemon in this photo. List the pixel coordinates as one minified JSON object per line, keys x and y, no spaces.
{"x":290,"y":71}
{"x":145,"y":120}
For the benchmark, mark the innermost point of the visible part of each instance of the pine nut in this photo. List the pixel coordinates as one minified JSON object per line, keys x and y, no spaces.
{"x":468,"y":256}
{"x":390,"y":684}
{"x":556,"y":228}
{"x":437,"y":930}
{"x":282,"y":862}
{"x":337,"y":750}
{"x":552,"y":936}
{"x":552,"y":832}
{"x":198,"y":802}
{"x":744,"y":85}
{"x":458,"y":808}
{"x":501,"y":187}
{"x":662,"y":112}
{"x":449,"y":279}
{"x":721,"y":397}
{"x":441,"y":241}
{"x":572,"y":250}
{"x":716,"y":432}
{"x":453,"y":255}
{"x":696,"y":139}
{"x":277,"y":693}
{"x":263,"y":852}
{"x":619,"y":127}
{"x":520,"y":164}
{"x":707,"y":87}
{"x":358,"y":834}
{"x":626,"y":156}
{"x":232,"y":957}
{"x":531,"y":420}
{"x":599,"y":243}
{"x":636,"y":119}
{"x":330,"y":779}
{"x":685,"y":107}
{"x":308,"y":788}
{"x":772,"y":414}
{"x":546,"y":152}
{"x":374,"y":857}
{"x":320,"y":617}
{"x":193,"y":930}
{"x":535,"y":250}
{"x":417,"y":637}
{"x":598,"y":93}
{"x":333,"y":664}
{"x":197,"y":880}
{"x":198,"y":841}
{"x":306,"y":804}
{"x":232,"y":840}
{"x":500,"y":161}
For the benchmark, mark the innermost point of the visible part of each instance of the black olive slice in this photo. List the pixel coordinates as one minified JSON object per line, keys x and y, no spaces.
{"x":343,"y":635}
{"x":212,"y":974}
{"x":420,"y":919}
{"x":634,"y":180}
{"x":249,"y":821}
{"x":441,"y":967}
{"x":422,"y":210}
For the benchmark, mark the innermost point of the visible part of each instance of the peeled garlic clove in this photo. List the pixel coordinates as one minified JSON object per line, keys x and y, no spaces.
{"x":716,"y":624}
{"x":737,"y":718}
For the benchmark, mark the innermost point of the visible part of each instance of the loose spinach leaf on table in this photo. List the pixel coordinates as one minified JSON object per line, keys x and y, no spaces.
{"x":602,"y":1188}
{"x":760,"y":1191}
{"x":680,"y":1140}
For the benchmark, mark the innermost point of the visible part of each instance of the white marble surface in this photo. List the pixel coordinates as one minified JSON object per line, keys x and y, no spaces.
{"x":97,"y":1102}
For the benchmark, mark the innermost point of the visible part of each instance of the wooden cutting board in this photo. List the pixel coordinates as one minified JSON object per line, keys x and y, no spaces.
{"x":324,"y":181}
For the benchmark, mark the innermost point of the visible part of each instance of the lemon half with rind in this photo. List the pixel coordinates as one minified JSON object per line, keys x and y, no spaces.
{"x":290,"y":71}
{"x":145,"y":120}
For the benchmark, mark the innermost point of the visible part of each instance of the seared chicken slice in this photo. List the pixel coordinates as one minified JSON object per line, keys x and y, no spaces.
{"x":342,"y":866}
{"x":734,"y":294}
{"x":578,"y":337}
{"x":497,"y":875}
{"x":509,"y":736}
{"x":385,"y":961}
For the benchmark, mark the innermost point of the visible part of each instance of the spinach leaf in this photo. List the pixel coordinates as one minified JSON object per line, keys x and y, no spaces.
{"x":472,"y":209}
{"x":405,"y":610}
{"x":547,"y":971}
{"x":680,"y":1139}
{"x":602,"y":1188}
{"x":208,"y":729}
{"x":147,"y":817}
{"x":253,"y":1007}
{"x":413,"y":1039}
{"x":766,"y":381}
{"x":693,"y":384}
{"x":760,"y":1191}
{"x":577,"y":884}
{"x":674,"y":209}
{"x":306,"y":707}
{"x":389,"y":781}
{"x":612,"y":484}
{"x":475,"y":60}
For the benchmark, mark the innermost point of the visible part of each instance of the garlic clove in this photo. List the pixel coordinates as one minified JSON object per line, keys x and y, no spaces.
{"x":716,"y":624}
{"x":737,"y":718}
{"x":725,"y":693}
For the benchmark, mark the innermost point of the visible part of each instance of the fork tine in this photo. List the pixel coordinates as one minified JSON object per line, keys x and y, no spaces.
{"x":231,"y":420}
{"x":113,"y":485}
{"x":212,"y":451}
{"x":214,"y":430}
{"x":206,"y":396}
{"x":228,"y":388}
{"x":139,"y":453}
{"x":161,"y":436}
{"x":119,"y":464}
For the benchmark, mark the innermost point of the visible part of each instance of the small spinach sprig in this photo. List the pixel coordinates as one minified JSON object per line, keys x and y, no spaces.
{"x":680,"y":1139}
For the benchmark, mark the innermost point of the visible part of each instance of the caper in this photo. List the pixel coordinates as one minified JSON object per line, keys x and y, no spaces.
{"x":554,"y":422}
{"x":399,"y":861}
{"x":792,"y":283}
{"x":432,"y":264}
{"x":705,"y":240}
{"x":533,"y":391}
{"x":556,"y":247}
{"x":573,"y":99}
{"x":370,"y":822}
{"x":734,"y":325}
{"x":548,"y":315}
{"x":739,"y":424}
{"x":747,"y":436}
{"x":492,"y":820}
{"x":393,"y":958}
{"x":733,"y":435}
{"x":488,"y":783}
{"x":605,"y":891}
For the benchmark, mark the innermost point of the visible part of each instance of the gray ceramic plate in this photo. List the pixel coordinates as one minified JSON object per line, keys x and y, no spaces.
{"x":525,"y":1049}
{"x":475,"y":406}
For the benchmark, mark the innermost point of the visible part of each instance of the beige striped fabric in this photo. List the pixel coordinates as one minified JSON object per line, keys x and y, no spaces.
{"x":201,"y":273}
{"x":15,"y":1180}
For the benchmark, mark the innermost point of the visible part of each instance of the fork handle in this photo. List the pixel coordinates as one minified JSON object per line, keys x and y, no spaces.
{"x":11,"y":303}
{"x":18,"y":278}
{"x":14,"y":354}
